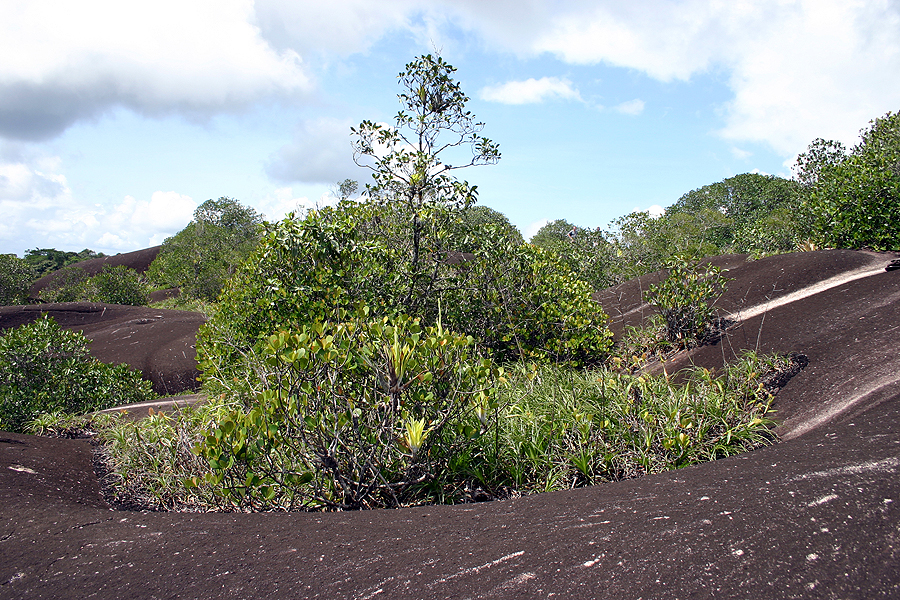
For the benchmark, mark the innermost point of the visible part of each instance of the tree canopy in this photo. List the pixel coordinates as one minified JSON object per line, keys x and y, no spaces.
{"x":853,"y":197}
{"x":47,"y":260}
{"x":201,"y":257}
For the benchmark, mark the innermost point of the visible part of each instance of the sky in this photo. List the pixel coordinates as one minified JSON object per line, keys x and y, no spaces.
{"x":118,"y":119}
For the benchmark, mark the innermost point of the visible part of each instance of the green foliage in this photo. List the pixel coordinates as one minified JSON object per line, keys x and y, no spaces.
{"x":516,"y":300}
{"x":561,"y":428}
{"x":587,"y":253}
{"x":734,"y":211}
{"x":360,"y":414}
{"x":112,"y":285}
{"x":67,"y":286}
{"x":414,"y":246}
{"x":748,"y":213}
{"x":685,"y":299}
{"x":407,"y":160}
{"x":524,"y":303}
{"x":16,"y":276}
{"x":47,"y":260}
{"x":854,"y":198}
{"x":201,"y":257}
{"x":44,"y":368}
{"x":547,"y":428}
{"x":479,"y":218}
{"x":117,"y":285}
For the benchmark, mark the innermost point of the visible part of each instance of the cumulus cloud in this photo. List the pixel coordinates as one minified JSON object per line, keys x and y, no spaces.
{"x":338,"y":28}
{"x":319,"y":153}
{"x":631,"y":107}
{"x":531,"y":91}
{"x":798,"y":70}
{"x":39,"y":209}
{"x":77,"y":61}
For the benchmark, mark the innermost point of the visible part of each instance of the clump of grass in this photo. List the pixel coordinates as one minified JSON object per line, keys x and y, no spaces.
{"x":562,"y":428}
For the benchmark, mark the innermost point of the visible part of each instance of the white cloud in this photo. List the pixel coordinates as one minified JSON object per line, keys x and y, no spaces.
{"x":39,"y":209}
{"x":319,"y":153}
{"x":340,"y":28}
{"x":798,"y":69}
{"x":531,"y":91}
{"x":631,"y":107}
{"x":533,"y":228}
{"x":740,"y":154}
{"x":75,"y":61}
{"x":655,"y":210}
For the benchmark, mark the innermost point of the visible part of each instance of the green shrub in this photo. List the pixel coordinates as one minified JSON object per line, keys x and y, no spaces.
{"x":359,"y":414}
{"x":516,"y":300}
{"x":68,"y":285}
{"x":560,"y":428}
{"x":685,"y":299}
{"x":548,"y":427}
{"x":588,"y":253}
{"x":117,"y":285}
{"x":854,"y":199}
{"x":44,"y":368}
{"x":524,"y":303}
{"x":112,"y":285}
{"x":199,"y":258}
{"x":16,"y":277}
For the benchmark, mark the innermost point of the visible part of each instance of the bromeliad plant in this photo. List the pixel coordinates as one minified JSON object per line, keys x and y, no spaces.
{"x":362,"y":413}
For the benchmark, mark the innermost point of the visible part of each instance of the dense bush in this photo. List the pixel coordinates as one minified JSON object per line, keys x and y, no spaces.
{"x":44,"y":368}
{"x":561,"y":428}
{"x":117,"y":285}
{"x":854,"y":198}
{"x":112,"y":285}
{"x":685,"y":299}
{"x":16,"y":277}
{"x":200,"y":257}
{"x":587,"y":252}
{"x":549,"y":428}
{"x":516,"y":300}
{"x":748,"y":207}
{"x":66,"y":286}
{"x":359,"y":414}
{"x":748,"y":213}
{"x":524,"y":303}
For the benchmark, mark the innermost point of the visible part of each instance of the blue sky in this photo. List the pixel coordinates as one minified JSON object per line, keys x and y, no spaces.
{"x":118,"y":118}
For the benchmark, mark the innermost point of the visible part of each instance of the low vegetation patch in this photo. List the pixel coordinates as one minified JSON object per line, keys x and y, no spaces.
{"x":113,"y":285}
{"x":44,"y":368}
{"x":539,"y":428}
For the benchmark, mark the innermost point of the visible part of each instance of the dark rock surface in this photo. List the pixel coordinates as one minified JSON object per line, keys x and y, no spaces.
{"x":815,"y":516}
